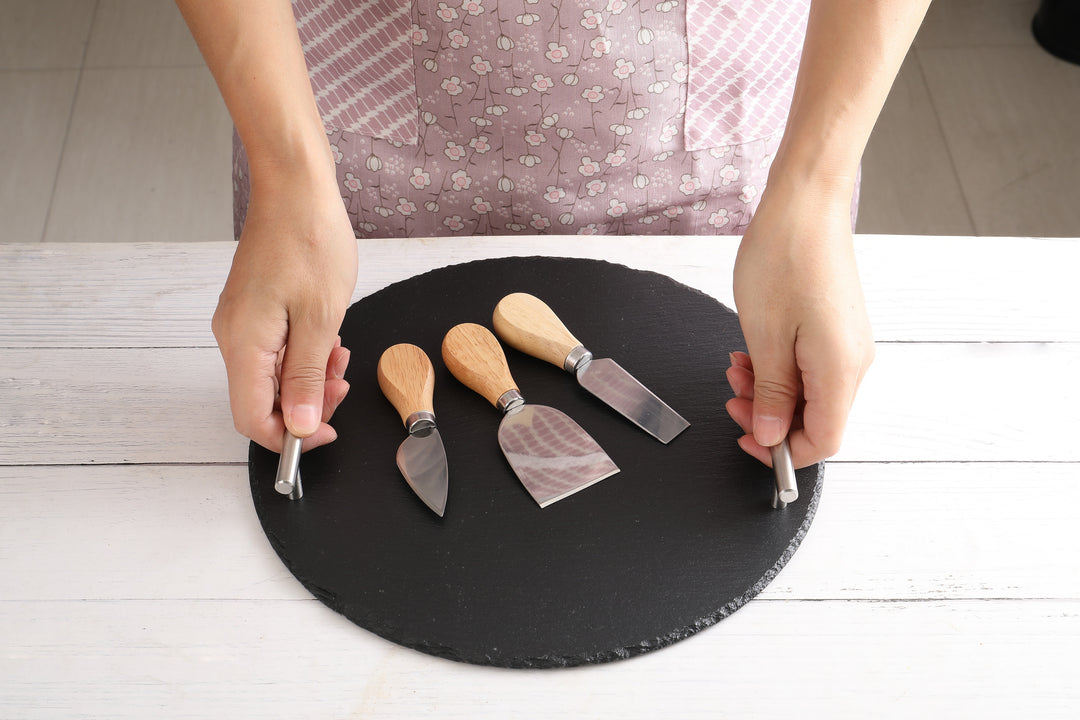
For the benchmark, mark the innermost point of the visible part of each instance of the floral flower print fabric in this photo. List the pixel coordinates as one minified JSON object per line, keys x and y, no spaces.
{"x":545,"y":116}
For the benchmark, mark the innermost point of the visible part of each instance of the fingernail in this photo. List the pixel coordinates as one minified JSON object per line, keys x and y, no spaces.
{"x":731,"y":358}
{"x":305,"y":419}
{"x":768,"y":430}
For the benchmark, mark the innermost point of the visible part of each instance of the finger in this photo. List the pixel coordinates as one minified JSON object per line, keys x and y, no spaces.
{"x":251,"y":395}
{"x":252,"y":392}
{"x":303,"y":376}
{"x":335,"y":388}
{"x":741,"y":411}
{"x":741,"y":381}
{"x":775,"y":393}
{"x":323,"y":436}
{"x":829,"y":397}
{"x":741,"y":359}
{"x":338,"y":363}
{"x":755,"y":450}
{"x":820,"y":436}
{"x":334,"y":393}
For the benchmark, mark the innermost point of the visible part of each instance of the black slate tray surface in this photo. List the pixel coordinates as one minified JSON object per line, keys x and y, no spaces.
{"x":682,"y":537}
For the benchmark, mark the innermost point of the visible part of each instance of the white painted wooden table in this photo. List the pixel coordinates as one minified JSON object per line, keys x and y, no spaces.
{"x":941,"y":574}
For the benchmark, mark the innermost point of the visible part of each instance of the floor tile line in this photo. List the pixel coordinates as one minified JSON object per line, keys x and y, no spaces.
{"x":67,"y":127}
{"x":948,"y":147}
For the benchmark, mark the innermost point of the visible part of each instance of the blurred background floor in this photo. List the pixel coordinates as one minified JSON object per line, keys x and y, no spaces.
{"x":111,"y":128}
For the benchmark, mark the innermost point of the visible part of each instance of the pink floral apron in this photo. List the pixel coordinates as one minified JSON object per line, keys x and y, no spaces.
{"x":549,"y":116}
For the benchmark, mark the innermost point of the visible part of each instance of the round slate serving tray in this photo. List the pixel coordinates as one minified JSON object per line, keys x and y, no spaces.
{"x":682,"y":537}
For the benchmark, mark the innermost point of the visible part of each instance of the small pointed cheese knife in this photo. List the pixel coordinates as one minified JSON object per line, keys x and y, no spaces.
{"x":408,"y":382}
{"x":550,"y":453}
{"x":526,"y":323}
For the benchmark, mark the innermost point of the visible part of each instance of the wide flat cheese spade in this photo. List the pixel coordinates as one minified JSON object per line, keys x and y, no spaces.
{"x":550,"y":453}
{"x":526,"y":323}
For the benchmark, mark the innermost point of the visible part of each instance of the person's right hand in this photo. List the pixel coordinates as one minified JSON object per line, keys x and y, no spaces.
{"x":804,"y":318}
{"x":277,"y":320}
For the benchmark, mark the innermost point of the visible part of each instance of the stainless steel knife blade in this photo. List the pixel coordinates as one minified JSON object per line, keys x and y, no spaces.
{"x":606,"y":379}
{"x":549,"y":452}
{"x":421,"y":458}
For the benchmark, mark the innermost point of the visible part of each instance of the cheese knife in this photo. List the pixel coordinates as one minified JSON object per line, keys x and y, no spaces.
{"x":526,"y":323}
{"x":549,"y":452}
{"x":407,"y":379}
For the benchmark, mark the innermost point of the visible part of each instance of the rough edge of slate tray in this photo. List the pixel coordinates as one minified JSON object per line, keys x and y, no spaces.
{"x":329,"y":598}
{"x":548,"y":662}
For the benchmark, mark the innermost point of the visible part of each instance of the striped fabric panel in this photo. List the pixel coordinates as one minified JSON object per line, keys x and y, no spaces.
{"x":361,"y":65}
{"x":744,"y":55}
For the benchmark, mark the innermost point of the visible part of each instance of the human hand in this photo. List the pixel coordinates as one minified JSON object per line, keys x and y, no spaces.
{"x":277,"y":320}
{"x":802,"y":313}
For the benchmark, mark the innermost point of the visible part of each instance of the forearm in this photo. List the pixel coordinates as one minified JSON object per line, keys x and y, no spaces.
{"x":853,"y":50}
{"x":254,"y":53}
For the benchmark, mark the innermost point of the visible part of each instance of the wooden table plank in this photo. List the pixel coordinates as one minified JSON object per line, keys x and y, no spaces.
{"x":968,"y":401}
{"x":281,"y":659}
{"x":939,"y":531}
{"x":920,"y":402}
{"x":110,"y":295}
{"x":883,"y":532}
{"x":100,"y":405}
{"x":149,"y":532}
{"x":918,"y":288}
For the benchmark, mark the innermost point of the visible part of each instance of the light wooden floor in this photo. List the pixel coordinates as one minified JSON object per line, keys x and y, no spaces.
{"x":111,"y":128}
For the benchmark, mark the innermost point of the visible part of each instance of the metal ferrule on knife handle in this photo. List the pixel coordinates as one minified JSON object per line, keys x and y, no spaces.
{"x":420,"y":421}
{"x":578,"y":357}
{"x":509,"y":401}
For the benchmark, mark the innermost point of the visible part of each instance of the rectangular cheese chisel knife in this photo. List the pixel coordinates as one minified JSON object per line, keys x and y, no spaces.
{"x":526,"y":323}
{"x":407,"y":380}
{"x":550,"y":453}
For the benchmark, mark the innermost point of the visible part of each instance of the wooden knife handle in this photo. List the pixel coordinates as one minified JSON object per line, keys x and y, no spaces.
{"x":407,"y":379}
{"x":526,"y":323}
{"x":475,"y":358}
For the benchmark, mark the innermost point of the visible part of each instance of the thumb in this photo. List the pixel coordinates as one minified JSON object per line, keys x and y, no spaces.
{"x":776,"y":388}
{"x":303,"y":375}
